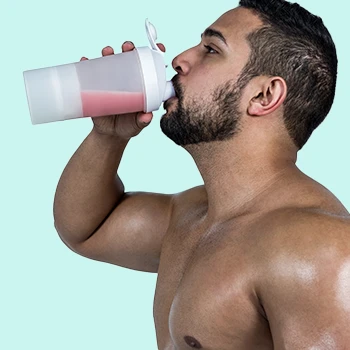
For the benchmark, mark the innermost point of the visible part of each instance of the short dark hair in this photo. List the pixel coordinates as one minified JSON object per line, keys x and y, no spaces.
{"x":295,"y":45}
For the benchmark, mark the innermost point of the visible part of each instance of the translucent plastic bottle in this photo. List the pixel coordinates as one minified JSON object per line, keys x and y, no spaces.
{"x":128,"y":82}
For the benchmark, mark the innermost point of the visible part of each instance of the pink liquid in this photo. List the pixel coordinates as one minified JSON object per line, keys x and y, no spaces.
{"x":101,"y":103}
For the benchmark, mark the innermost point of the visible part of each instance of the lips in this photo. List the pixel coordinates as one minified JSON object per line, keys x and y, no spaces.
{"x":177,"y":92}
{"x":169,"y":101}
{"x":175,"y":82}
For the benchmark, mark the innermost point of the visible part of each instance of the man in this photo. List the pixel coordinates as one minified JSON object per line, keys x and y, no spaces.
{"x":258,"y":257}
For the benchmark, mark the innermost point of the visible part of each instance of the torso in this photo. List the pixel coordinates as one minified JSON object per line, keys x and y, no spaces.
{"x":206,"y":295}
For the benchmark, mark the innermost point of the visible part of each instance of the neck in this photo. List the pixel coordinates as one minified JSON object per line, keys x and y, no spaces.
{"x":237,"y":177}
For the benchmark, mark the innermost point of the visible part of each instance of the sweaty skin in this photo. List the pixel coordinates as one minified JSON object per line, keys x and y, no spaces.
{"x":258,"y":258}
{"x":216,"y":283}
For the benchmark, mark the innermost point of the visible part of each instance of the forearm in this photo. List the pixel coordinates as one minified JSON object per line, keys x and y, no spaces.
{"x":89,"y":187}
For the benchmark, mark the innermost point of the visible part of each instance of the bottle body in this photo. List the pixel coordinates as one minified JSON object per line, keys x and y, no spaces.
{"x":97,"y":87}
{"x":111,"y":85}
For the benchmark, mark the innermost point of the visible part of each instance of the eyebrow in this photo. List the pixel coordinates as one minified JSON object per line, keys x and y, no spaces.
{"x":212,"y":32}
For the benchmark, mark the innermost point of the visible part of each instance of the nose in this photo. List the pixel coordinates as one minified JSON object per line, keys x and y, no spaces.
{"x":182,"y":62}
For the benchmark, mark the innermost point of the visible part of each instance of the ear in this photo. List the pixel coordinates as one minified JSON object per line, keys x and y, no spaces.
{"x":270,"y":94}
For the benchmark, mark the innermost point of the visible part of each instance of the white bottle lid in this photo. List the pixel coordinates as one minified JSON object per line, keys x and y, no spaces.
{"x":157,"y":89}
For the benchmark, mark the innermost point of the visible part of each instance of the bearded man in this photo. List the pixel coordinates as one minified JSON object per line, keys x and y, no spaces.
{"x":259,"y":256}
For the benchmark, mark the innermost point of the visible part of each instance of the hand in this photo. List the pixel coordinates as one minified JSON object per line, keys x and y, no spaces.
{"x":123,"y":125}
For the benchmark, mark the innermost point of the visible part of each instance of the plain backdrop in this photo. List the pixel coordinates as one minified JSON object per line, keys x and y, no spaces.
{"x":50,"y":297}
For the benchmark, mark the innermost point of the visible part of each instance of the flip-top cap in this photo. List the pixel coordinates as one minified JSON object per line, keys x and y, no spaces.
{"x":157,"y":89}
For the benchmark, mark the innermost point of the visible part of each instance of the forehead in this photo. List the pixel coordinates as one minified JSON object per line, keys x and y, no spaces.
{"x":236,"y":24}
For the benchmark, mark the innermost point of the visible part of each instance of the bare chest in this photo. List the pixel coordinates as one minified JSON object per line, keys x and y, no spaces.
{"x":205,"y":293}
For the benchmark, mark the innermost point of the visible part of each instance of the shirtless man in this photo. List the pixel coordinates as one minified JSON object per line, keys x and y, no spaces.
{"x":259,"y":257}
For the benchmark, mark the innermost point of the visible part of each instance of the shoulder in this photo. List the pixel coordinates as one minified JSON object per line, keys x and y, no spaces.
{"x":304,"y":250}
{"x":303,"y":284}
{"x":193,"y":200}
{"x":195,"y":194}
{"x":301,"y":247}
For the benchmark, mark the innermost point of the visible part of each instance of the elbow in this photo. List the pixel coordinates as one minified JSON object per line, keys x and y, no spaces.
{"x":65,"y":237}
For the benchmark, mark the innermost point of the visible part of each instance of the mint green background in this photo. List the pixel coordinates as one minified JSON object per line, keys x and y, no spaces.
{"x":51,"y":298}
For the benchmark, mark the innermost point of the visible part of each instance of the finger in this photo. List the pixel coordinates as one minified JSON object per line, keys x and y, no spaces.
{"x":107,"y":51}
{"x":83,"y":59}
{"x":128,"y":46}
{"x":161,"y":46}
{"x":144,"y":119}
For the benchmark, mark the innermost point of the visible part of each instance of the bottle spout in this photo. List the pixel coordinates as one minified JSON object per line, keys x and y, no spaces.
{"x":169,"y":91}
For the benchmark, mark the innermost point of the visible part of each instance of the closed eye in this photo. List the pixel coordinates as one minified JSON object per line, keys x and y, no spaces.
{"x":210,"y":49}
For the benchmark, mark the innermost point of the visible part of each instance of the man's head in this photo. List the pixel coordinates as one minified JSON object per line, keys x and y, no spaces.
{"x":280,"y":52}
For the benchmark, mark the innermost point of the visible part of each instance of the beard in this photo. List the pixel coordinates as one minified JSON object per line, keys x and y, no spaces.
{"x":215,"y":119}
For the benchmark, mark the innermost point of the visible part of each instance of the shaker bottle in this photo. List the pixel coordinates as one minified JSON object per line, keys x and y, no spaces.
{"x":128,"y":82}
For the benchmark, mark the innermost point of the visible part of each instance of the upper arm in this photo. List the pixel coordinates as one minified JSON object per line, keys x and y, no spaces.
{"x":306,"y":293}
{"x":131,"y":236}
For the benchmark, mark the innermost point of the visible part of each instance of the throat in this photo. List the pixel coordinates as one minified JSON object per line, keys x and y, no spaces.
{"x":192,"y":342}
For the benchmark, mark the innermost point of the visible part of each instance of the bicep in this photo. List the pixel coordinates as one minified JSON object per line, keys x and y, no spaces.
{"x":131,"y":236}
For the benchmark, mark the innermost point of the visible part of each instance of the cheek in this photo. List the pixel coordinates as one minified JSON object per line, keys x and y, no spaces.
{"x":198,"y":92}
{"x":200,"y":86}
{"x":203,"y":80}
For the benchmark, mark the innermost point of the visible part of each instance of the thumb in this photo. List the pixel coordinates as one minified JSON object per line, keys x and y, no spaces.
{"x":144,"y":119}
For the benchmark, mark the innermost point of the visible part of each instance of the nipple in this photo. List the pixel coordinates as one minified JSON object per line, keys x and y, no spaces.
{"x":192,"y":342}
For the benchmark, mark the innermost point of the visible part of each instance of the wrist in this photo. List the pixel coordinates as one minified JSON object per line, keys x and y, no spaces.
{"x":108,"y":139}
